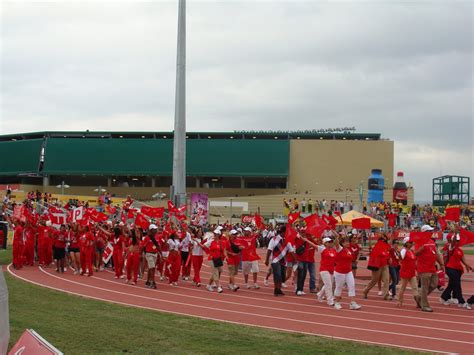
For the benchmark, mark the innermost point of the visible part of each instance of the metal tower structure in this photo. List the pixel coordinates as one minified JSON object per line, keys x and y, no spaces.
{"x":452,"y":190}
{"x":178,"y":189}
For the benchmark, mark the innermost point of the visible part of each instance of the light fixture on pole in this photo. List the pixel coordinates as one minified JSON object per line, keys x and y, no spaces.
{"x":63,"y":186}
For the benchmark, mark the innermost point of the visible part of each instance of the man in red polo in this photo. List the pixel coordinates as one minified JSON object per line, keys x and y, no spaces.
{"x":427,"y":257}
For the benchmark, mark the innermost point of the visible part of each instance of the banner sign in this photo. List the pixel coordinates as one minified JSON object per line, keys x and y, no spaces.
{"x":199,"y":211}
{"x":32,"y":343}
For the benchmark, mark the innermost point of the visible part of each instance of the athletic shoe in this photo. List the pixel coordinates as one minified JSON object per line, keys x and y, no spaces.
{"x":174,"y":283}
{"x":299,"y":293}
{"x":153,"y":286}
{"x":220,"y":290}
{"x":147,"y":283}
{"x":278,"y":293}
{"x":337,"y":306}
{"x":465,"y":305}
{"x":319,"y":297}
{"x":162,"y":278}
{"x":134,"y":283}
{"x":115,"y":277}
{"x":443,"y":302}
{"x":427,"y":309}
{"x":210,"y":288}
{"x":379,"y":293}
{"x":235,"y":288}
{"x":331,"y":303}
{"x":247,"y":286}
{"x":256,"y":286}
{"x":122,"y":276}
{"x":102,"y":269}
{"x":454,"y":301}
{"x":198,"y":284}
{"x":284,"y":285}
{"x":354,"y":306}
{"x":265,"y":282}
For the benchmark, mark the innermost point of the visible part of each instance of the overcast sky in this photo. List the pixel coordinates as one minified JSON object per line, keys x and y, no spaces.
{"x":400,"y":68}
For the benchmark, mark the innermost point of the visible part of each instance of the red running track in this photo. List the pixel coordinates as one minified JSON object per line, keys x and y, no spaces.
{"x":447,"y":329}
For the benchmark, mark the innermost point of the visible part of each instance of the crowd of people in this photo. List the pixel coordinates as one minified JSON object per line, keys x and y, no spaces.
{"x":169,"y":249}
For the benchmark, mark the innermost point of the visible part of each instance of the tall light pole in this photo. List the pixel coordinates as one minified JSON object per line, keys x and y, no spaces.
{"x":178,"y":189}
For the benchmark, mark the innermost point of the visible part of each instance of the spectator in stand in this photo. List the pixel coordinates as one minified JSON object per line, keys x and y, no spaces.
{"x":303,"y":205}
{"x":310,"y":206}
{"x":454,"y":269}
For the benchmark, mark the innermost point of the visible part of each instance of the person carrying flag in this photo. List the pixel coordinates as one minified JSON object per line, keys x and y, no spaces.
{"x":152,"y":250}
{"x":408,"y":272}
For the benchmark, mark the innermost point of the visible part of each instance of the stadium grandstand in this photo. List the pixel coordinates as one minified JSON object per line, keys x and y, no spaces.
{"x":330,"y":164}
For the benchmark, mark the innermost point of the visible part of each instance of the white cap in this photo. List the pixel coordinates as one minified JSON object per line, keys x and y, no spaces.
{"x":325,"y":240}
{"x":109,"y":223}
{"x":219,"y":227}
{"x":406,"y":240}
{"x":217,"y":231}
{"x":233,"y":231}
{"x":152,"y":226}
{"x":48,"y":223}
{"x":354,"y":231}
{"x":239,"y":230}
{"x":248,"y":229}
{"x":426,"y":228}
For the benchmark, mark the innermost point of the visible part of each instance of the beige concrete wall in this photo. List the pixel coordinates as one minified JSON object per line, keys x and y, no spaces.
{"x":327,"y":165}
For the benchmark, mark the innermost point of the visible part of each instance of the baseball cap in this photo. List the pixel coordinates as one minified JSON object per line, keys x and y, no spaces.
{"x":248,"y":229}
{"x":220,"y":227}
{"x":152,"y":226}
{"x":426,"y":228}
{"x":239,"y":230}
{"x":354,"y":231}
{"x":217,"y":231}
{"x":406,"y":240}
{"x":325,"y":240}
{"x":233,"y":231}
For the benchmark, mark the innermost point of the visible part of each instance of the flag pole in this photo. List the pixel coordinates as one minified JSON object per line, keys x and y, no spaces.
{"x":178,"y":188}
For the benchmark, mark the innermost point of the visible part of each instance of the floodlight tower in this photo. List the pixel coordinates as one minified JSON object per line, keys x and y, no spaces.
{"x":178,"y":189}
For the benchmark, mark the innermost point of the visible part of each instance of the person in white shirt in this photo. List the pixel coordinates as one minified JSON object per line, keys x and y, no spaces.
{"x":185,"y":258}
{"x":174,"y":259}
{"x":197,"y":256}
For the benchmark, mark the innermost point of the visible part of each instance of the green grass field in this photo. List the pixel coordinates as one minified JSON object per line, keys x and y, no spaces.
{"x":76,"y":325}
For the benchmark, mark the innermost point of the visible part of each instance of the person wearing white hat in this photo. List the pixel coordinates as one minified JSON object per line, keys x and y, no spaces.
{"x":233,"y":257}
{"x":408,"y":272}
{"x":326,"y":270}
{"x":250,"y":257}
{"x":150,"y":245}
{"x":216,"y":260}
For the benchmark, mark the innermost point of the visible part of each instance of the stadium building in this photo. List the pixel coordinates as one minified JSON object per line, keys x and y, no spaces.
{"x":325,"y":163}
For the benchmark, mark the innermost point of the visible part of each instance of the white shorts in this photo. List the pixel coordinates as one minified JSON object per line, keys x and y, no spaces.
{"x":165,"y":254}
{"x":151,"y":259}
{"x":250,"y":267}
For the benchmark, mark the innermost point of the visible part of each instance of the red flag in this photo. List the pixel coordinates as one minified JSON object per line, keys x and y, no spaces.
{"x":181,"y":217}
{"x":442,"y":223}
{"x":337,"y":213}
{"x":290,"y":234}
{"x":259,"y":221}
{"x":141,"y":221}
{"x":292,"y":217}
{"x":123,"y":218}
{"x":330,"y":220}
{"x":361,"y":223}
{"x":171,"y":207}
{"x":392,"y":219}
{"x":97,"y":216}
{"x":131,"y":212}
{"x":153,"y":212}
{"x":466,"y":237}
{"x":111,"y":209}
{"x":315,"y":225}
{"x":452,"y":214}
{"x":181,"y":209}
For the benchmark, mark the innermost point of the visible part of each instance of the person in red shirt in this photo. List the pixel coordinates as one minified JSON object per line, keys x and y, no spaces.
{"x":74,"y":248}
{"x":174,"y":259}
{"x":118,"y":242}
{"x":100,"y":243}
{"x":29,"y":241}
{"x":152,"y":250}
{"x":408,"y":272}
{"x":355,"y":250}
{"x":197,"y":255}
{"x":217,"y":254}
{"x":233,"y":250}
{"x":427,"y":257}
{"x":454,"y":270}
{"x":250,"y":257}
{"x":87,"y":251}
{"x":343,"y":273}
{"x":43,"y":235}
{"x":304,"y":248}
{"x":133,"y":257}
{"x":378,"y":264}
{"x":394,"y":267}
{"x":59,"y":245}
{"x":326,"y":270}
{"x":18,"y":245}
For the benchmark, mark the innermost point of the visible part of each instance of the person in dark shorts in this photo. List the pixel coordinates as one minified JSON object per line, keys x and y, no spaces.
{"x":59,"y":248}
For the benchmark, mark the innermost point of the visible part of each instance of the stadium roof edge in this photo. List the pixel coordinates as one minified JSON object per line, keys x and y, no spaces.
{"x":191,"y":135}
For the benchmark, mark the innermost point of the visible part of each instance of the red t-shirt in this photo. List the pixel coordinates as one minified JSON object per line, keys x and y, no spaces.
{"x":455,"y":257}
{"x":355,"y":250}
{"x":149,"y":246}
{"x":60,"y":240}
{"x":18,"y":235}
{"x":73,"y":240}
{"x":328,"y":260}
{"x":298,"y":243}
{"x":308,"y":255}
{"x":43,"y":233}
{"x":343,"y":261}
{"x":249,"y":253}
{"x":408,"y":265}
{"x":215,"y":250}
{"x":393,"y":258}
{"x":231,"y":259}
{"x":100,"y":240}
{"x":426,"y":261}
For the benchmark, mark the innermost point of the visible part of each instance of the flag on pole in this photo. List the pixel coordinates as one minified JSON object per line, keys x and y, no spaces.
{"x":361,"y":223}
{"x":293,"y":217}
{"x":452,"y":214}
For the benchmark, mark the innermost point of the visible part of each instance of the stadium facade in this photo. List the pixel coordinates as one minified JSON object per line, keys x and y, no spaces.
{"x":218,"y":162}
